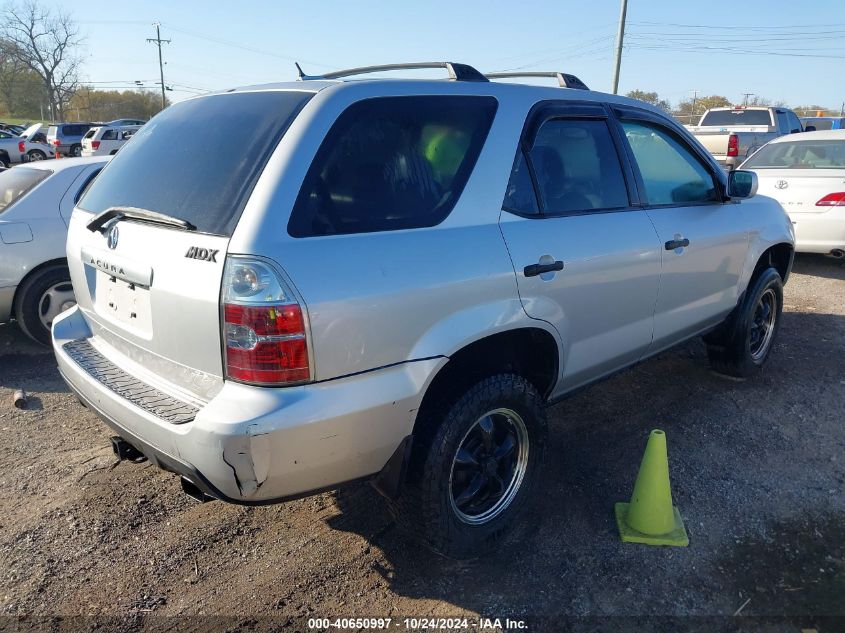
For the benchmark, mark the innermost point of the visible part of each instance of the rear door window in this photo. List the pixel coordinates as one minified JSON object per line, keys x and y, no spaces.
{"x":109,"y":135}
{"x":577,"y":168}
{"x":392,"y":163}
{"x":15,"y":183}
{"x":204,"y":156}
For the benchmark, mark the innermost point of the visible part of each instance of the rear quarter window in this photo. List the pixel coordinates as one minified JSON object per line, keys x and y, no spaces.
{"x":204,"y":156}
{"x":392,"y":163}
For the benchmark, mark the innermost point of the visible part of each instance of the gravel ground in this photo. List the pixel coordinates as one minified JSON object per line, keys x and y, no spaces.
{"x":758,"y":471}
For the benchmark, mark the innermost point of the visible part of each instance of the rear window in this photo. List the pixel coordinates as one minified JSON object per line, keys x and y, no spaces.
{"x":799,"y":155}
{"x":14,"y":183}
{"x":204,"y":156}
{"x":392,"y":163}
{"x":90,"y":133}
{"x":737,"y":117}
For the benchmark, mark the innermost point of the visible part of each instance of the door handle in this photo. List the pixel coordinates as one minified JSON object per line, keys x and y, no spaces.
{"x":671,"y":245}
{"x":538,"y":269}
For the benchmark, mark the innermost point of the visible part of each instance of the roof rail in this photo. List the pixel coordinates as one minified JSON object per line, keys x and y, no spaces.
{"x":564,"y":79}
{"x":457,"y":72}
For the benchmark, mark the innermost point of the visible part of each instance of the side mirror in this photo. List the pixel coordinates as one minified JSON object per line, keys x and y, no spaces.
{"x":810,"y":128}
{"x":742,"y":184}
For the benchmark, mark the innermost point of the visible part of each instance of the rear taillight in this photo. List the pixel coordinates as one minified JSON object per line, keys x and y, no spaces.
{"x":95,"y":144}
{"x":733,"y":145}
{"x":832,"y":200}
{"x":21,"y":146}
{"x":57,"y":142}
{"x":263,"y":326}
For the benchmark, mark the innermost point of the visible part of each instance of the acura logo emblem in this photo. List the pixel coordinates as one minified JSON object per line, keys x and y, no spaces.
{"x":781,"y":184}
{"x":111,"y":240}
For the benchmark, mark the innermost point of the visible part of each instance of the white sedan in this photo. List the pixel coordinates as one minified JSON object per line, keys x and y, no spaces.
{"x":36,"y":201}
{"x":805,"y":173}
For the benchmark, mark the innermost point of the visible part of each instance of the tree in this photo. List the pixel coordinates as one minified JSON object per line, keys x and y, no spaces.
{"x":650,"y":97}
{"x":690,"y":110}
{"x":21,"y":90}
{"x":105,"y":105}
{"x":45,"y":42}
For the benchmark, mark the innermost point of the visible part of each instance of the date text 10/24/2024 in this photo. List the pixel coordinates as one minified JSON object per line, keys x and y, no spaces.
{"x":417,"y":624}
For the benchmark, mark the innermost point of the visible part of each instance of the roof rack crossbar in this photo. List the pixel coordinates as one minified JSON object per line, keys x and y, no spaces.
{"x":457,"y":72}
{"x":565,"y":80}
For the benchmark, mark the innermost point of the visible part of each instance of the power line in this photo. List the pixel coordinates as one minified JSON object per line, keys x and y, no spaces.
{"x":159,"y":42}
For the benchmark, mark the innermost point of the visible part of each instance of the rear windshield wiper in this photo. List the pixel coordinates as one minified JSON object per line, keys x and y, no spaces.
{"x":101,"y":220}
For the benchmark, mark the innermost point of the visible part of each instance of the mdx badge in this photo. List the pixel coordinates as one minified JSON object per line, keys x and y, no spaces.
{"x":203,"y":254}
{"x":111,"y":238}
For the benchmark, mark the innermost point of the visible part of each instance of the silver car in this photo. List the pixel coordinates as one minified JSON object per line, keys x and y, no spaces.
{"x":36,"y":202}
{"x":390,"y":279}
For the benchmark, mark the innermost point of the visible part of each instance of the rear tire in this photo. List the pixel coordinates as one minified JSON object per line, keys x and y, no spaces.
{"x":41,"y":298}
{"x":76,"y":151}
{"x":742,"y":345}
{"x":475,"y":468}
{"x":36,"y":154}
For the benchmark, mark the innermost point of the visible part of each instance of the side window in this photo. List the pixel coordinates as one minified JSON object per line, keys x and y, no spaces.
{"x":109,"y":135}
{"x":794,"y":123}
{"x":392,"y":163}
{"x":783,"y":123}
{"x":671,"y":172}
{"x":576,"y":167}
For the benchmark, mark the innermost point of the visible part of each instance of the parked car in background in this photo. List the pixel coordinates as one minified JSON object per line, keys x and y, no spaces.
{"x":66,"y":138}
{"x":33,"y":145}
{"x":821,"y":123}
{"x":122,"y":122}
{"x":36,"y":202}
{"x":20,"y":149}
{"x":266,"y":317}
{"x":733,"y":134}
{"x":805,"y":173}
{"x":106,"y":140}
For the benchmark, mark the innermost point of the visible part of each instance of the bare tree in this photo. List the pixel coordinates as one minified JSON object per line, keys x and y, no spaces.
{"x":45,"y":41}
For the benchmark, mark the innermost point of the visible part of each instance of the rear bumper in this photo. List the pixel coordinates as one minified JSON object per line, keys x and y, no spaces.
{"x":819,"y":232}
{"x":254,"y":445}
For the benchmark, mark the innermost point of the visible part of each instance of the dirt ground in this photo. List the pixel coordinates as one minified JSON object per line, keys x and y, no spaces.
{"x":758,"y":471}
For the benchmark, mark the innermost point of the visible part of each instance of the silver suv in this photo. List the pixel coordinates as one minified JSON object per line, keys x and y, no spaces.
{"x":390,"y":279}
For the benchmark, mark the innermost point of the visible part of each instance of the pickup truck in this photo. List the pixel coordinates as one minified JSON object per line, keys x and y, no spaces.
{"x":733,"y":134}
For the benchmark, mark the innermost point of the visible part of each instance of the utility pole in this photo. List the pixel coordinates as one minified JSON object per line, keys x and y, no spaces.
{"x":692,"y":110}
{"x":158,"y":41}
{"x":746,"y":95}
{"x":842,"y":109}
{"x":619,"y":37}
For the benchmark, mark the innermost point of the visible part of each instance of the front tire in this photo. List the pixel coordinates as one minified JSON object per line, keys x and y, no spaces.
{"x":743,"y":344}
{"x":42,"y":297}
{"x":473,"y":472}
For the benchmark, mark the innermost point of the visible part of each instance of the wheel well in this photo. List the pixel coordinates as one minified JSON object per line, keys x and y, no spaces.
{"x":778,"y":257}
{"x":4,"y":155}
{"x":530,"y":352}
{"x":49,"y":264}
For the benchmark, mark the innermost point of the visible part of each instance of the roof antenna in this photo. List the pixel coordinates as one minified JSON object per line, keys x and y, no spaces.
{"x":300,"y":74}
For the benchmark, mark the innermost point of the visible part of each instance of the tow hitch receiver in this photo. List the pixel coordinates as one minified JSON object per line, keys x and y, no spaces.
{"x":124,"y":450}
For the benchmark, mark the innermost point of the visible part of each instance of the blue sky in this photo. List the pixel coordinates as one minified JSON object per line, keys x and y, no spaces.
{"x":778,"y":49}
